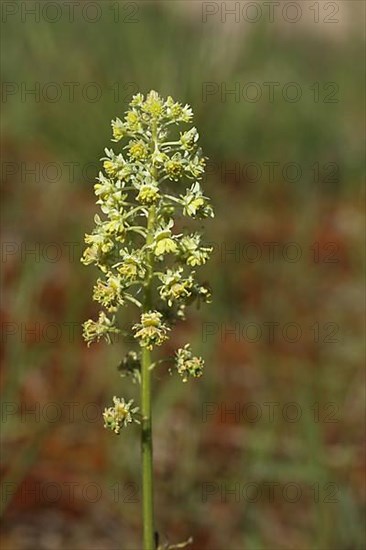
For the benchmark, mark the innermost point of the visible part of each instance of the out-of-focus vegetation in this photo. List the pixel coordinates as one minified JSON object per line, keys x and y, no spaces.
{"x":47,"y":296}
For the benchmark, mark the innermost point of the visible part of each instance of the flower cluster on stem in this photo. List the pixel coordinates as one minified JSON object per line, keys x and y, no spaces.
{"x":147,"y":185}
{"x":157,"y":167}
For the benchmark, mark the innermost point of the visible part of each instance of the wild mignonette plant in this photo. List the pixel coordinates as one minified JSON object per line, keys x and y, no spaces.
{"x":148,"y":185}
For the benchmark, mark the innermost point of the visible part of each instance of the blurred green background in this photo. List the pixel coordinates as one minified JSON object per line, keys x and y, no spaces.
{"x":84,"y":67}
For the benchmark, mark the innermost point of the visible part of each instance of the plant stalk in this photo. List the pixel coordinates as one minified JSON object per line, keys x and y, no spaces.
{"x":146,"y":427}
{"x":147,"y":454}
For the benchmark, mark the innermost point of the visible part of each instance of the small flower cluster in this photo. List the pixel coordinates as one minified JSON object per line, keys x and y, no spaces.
{"x":191,"y":252}
{"x":153,"y":178}
{"x":174,"y":287}
{"x":151,"y":331}
{"x":195,"y":204}
{"x":120,"y":415}
{"x":109,"y":293}
{"x":104,"y":327}
{"x":131,"y":267}
{"x":143,"y":111}
{"x":187,"y":364}
{"x":164,"y":242}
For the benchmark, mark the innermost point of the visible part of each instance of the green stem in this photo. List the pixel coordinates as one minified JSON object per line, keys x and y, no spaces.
{"x":147,"y":454}
{"x":146,"y":427}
